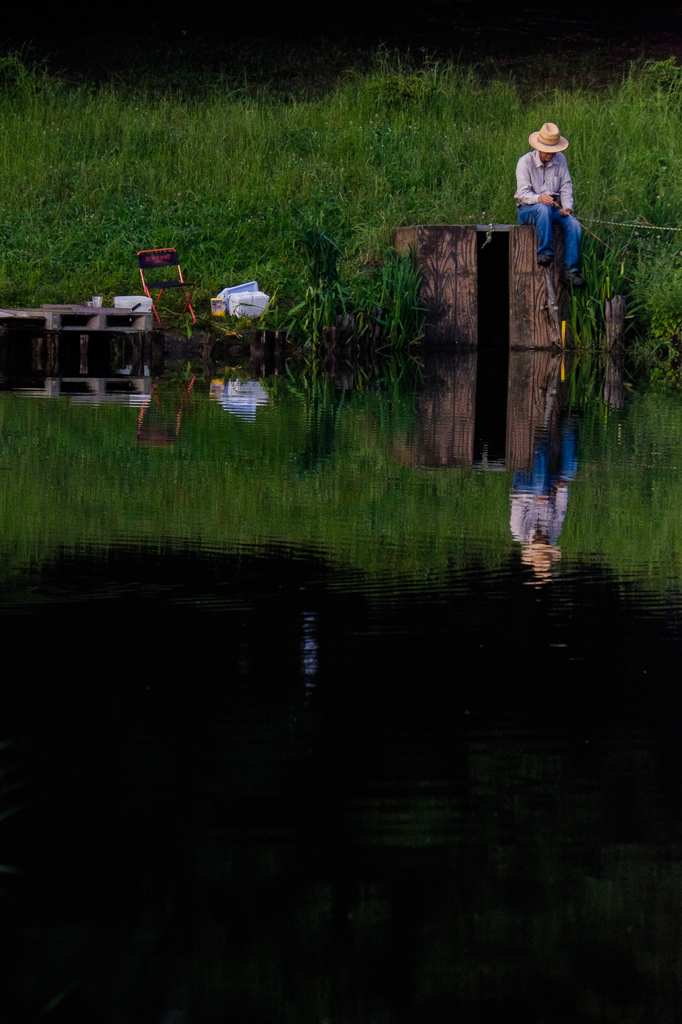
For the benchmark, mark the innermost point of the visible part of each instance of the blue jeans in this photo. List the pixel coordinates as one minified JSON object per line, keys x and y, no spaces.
{"x":544,"y":218}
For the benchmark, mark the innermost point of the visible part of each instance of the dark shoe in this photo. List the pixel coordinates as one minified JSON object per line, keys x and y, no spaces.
{"x":545,"y":261}
{"x":572,"y":277}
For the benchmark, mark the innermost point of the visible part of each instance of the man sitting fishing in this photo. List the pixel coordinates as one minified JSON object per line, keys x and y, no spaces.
{"x":544,"y":197}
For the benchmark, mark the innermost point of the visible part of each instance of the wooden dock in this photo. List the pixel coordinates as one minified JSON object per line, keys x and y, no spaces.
{"x":78,"y":318}
{"x":452,"y":289}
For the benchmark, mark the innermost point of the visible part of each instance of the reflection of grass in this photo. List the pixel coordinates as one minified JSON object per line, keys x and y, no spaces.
{"x":326,"y":469}
{"x":76,"y":476}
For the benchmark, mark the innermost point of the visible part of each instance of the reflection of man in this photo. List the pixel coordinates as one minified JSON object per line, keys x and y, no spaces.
{"x":539,"y":500}
{"x":544,"y":197}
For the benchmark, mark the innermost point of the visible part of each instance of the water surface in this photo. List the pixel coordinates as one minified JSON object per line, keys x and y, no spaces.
{"x":344,"y":703}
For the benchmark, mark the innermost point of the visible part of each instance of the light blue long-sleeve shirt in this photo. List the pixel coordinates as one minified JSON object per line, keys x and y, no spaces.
{"x":533,"y":177}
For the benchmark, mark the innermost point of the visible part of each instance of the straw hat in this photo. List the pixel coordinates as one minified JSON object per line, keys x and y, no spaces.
{"x":548,"y":139}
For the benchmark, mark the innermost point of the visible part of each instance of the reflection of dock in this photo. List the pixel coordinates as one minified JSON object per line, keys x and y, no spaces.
{"x":76,"y":318}
{"x":458,"y":425}
{"x":122,"y":390}
{"x":447,"y":411}
{"x":71,"y":351}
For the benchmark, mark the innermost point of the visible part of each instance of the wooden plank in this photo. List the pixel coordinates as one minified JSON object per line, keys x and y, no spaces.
{"x":531,"y":324}
{"x":52,"y":353}
{"x":83,"y":354}
{"x":37,"y":343}
{"x":137,"y":357}
{"x":447,"y":256}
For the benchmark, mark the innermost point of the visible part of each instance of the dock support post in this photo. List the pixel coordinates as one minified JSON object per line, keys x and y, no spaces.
{"x":52,"y":354}
{"x":117,"y":353}
{"x":37,"y":352}
{"x":614,"y":315}
{"x":137,"y":368}
{"x":84,"y":354}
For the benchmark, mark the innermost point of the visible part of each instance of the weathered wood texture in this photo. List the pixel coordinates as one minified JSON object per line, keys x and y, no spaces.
{"x":446,"y":412}
{"x":77,"y":318}
{"x":614,"y":315}
{"x":532,"y":377}
{"x":37,"y":345}
{"x":83,"y":367}
{"x":52,"y":354}
{"x":531,"y":324}
{"x":447,"y":257}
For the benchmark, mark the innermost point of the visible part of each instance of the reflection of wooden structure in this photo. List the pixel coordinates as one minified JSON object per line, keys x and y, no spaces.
{"x":447,"y":257}
{"x":120,"y":350}
{"x":532,"y":376}
{"x":447,"y":412}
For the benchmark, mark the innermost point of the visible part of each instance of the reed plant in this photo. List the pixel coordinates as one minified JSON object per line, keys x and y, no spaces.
{"x":402,"y":313}
{"x":325,"y":297}
{"x":605,"y":276}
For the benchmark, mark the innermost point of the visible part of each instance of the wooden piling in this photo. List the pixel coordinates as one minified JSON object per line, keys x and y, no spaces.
{"x":614,"y":315}
{"x":37,"y":345}
{"x":280,"y":352}
{"x":531,"y":320}
{"x":446,"y":255}
{"x":137,"y":360}
{"x":83,"y":354}
{"x":51,"y":353}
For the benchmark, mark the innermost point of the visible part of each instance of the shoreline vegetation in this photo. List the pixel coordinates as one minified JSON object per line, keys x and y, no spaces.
{"x":255,"y":184}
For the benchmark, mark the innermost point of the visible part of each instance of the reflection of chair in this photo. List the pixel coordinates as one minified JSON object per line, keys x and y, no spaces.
{"x":156,"y":259}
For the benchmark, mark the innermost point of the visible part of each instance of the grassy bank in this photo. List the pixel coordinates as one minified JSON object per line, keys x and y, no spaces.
{"x":89,"y":176}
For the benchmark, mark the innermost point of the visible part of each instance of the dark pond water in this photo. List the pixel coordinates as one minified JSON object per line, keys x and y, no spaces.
{"x":337,"y":703}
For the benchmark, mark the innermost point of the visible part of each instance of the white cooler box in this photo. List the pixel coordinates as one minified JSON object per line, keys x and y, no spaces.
{"x":249,"y":304}
{"x":143,"y":303}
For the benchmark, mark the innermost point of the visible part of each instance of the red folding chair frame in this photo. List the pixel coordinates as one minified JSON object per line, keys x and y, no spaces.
{"x":149,"y":259}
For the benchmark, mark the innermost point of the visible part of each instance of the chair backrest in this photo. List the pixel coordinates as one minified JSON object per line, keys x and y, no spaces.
{"x":148,"y":259}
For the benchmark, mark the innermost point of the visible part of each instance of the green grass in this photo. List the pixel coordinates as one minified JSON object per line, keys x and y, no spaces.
{"x":91,"y":175}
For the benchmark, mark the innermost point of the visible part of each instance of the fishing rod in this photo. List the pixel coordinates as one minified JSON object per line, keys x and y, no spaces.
{"x":584,"y":227}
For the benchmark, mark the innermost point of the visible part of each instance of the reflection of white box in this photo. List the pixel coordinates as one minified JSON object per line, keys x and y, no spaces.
{"x":240,"y":397}
{"x":249,"y":304}
{"x":143,"y":303}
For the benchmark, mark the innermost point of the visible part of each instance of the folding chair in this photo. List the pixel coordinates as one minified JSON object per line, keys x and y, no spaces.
{"x":153,"y":259}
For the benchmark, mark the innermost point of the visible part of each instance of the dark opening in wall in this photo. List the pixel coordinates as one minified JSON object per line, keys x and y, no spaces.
{"x":493,"y":347}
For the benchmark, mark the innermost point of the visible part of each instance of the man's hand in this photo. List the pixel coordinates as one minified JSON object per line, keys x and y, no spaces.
{"x":546,"y":199}
{"x":565,"y":213}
